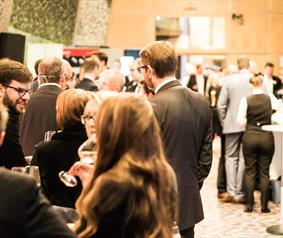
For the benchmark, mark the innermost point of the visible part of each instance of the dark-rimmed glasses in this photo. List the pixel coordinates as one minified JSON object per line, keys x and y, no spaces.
{"x":86,"y":119}
{"x":139,"y":69}
{"x":21,"y":91}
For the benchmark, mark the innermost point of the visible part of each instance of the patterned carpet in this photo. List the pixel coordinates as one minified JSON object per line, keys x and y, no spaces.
{"x":226,"y":220}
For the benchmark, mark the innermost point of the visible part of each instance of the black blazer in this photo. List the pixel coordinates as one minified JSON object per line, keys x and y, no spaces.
{"x":25,"y":212}
{"x":40,"y":116}
{"x":185,"y":121}
{"x":11,"y":152}
{"x":54,"y":156}
{"x":87,"y":84}
{"x":277,"y":85}
{"x":192,"y":84}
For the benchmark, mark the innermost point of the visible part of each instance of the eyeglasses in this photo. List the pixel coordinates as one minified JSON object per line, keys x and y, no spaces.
{"x":86,"y":119}
{"x":21,"y":91}
{"x":139,"y":69}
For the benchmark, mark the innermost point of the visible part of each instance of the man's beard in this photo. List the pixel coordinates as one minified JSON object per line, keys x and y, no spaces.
{"x":9,"y":103}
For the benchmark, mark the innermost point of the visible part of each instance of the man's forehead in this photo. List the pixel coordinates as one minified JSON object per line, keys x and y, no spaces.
{"x":15,"y":83}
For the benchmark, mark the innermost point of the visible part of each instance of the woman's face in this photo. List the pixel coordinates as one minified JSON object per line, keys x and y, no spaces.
{"x":90,"y":113}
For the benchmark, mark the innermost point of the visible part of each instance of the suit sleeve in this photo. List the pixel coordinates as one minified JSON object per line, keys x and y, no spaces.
{"x":205,"y":155}
{"x":41,"y":220}
{"x":222,"y":103}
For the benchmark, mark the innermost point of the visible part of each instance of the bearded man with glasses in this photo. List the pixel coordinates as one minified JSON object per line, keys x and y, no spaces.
{"x":15,"y":80}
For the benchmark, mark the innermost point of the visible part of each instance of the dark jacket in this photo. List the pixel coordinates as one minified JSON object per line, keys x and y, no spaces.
{"x":54,"y":156}
{"x":25,"y":212}
{"x":11,"y":152}
{"x":40,"y":116}
{"x":87,"y":84}
{"x":192,"y":84}
{"x":185,"y":121}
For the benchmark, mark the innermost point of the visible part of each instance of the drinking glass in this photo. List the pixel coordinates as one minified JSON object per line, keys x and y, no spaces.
{"x":32,"y":171}
{"x":87,"y":153}
{"x":48,"y":135}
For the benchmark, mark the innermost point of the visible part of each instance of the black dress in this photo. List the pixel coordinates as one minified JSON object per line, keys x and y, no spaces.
{"x":54,"y":156}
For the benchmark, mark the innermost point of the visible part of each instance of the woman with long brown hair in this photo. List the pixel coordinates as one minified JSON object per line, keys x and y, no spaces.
{"x":132,"y":192}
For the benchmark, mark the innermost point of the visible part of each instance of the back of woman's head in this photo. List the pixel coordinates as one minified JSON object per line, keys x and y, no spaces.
{"x":256,"y":80}
{"x":126,"y":124}
{"x":70,"y":106}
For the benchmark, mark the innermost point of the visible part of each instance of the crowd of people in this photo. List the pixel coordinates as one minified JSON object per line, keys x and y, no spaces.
{"x":154,"y":144}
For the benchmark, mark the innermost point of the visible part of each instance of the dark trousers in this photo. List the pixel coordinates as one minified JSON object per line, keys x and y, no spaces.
{"x":221,"y":176}
{"x":188,"y":233}
{"x":258,"y":149}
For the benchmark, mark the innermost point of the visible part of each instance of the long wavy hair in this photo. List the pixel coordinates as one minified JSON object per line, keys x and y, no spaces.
{"x":131,"y":179}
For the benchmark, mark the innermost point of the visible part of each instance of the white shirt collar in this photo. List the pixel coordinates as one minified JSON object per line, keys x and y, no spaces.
{"x":163,"y":83}
{"x":46,"y":84}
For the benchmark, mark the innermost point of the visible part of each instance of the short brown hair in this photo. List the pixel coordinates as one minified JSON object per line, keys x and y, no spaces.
{"x":102,"y":57}
{"x":70,"y":106}
{"x":90,"y":64}
{"x":13,"y":70}
{"x":51,"y":68}
{"x":243,"y":62}
{"x":161,"y":56}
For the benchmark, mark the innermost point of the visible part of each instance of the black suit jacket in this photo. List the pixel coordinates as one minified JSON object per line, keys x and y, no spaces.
{"x":40,"y":116}
{"x":277,"y":85}
{"x":185,"y":121}
{"x":192,"y":84}
{"x":54,"y":156}
{"x":25,"y":212}
{"x":11,"y":152}
{"x":87,"y":84}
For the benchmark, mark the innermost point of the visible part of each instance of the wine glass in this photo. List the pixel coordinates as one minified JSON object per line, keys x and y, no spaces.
{"x":87,"y":153}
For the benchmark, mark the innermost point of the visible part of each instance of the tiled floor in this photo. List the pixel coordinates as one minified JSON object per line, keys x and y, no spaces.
{"x":226,"y":220}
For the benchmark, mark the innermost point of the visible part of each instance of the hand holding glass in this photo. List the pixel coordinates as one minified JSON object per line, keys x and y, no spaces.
{"x":87,"y":154}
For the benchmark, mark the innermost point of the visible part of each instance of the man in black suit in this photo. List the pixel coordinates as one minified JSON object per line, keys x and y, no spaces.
{"x":197,"y":82}
{"x":24,"y":211}
{"x":90,"y":70}
{"x":40,"y":115}
{"x":14,"y":86}
{"x":272,"y":83}
{"x":185,"y":122}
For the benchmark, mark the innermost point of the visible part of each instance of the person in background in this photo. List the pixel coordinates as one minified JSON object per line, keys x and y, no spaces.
{"x":24,"y":211}
{"x":111,"y":80}
{"x":272,"y":83}
{"x":15,"y":79}
{"x":258,"y":145}
{"x":68,"y":75}
{"x":117,"y":64}
{"x":81,"y":169}
{"x":185,"y":121}
{"x":103,"y":60}
{"x":40,"y":115}
{"x":133,"y":81}
{"x":132,"y":192}
{"x":35,"y":82}
{"x":90,"y":69}
{"x":62,"y":151}
{"x":234,"y":88}
{"x":197,"y":82}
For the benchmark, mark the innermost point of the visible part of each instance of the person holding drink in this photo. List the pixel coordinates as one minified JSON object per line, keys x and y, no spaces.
{"x":62,"y":151}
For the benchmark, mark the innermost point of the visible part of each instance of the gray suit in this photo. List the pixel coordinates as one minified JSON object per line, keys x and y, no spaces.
{"x":234,"y":88}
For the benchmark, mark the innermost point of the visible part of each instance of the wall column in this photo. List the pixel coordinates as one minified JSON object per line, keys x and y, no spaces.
{"x":5,"y":14}
{"x":91,"y":23}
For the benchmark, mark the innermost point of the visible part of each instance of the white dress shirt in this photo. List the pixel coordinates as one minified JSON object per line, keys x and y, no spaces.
{"x":242,"y":112}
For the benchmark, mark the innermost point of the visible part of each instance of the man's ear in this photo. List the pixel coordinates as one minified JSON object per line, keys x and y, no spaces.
{"x":2,"y":91}
{"x":63,"y":81}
